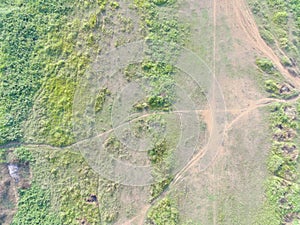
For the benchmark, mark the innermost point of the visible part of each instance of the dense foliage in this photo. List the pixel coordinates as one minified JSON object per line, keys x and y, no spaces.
{"x":273,"y":80}
{"x":280,"y":27}
{"x":24,"y":155}
{"x":33,"y":207}
{"x":164,"y":213}
{"x":282,"y":188}
{"x":24,"y":29}
{"x":46,"y":46}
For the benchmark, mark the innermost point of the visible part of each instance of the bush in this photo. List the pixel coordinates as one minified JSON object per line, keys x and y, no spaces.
{"x":100,"y":99}
{"x":283,"y":42}
{"x":271,"y":87}
{"x":24,"y":155}
{"x":280,"y":18}
{"x":160,"y":2}
{"x":285,"y":61}
{"x":34,"y":207}
{"x":265,"y":65}
{"x":274,"y":163}
{"x":267,"y":36}
{"x":164,"y":213}
{"x":2,"y":155}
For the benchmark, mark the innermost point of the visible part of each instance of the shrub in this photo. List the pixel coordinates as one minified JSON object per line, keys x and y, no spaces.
{"x":265,"y":65}
{"x":2,"y":155}
{"x":160,"y":2}
{"x":285,"y":61}
{"x":164,"y":213}
{"x":100,"y":99}
{"x":280,"y":18}
{"x":34,"y":207}
{"x":271,"y":87}
{"x":24,"y":155}
{"x":267,"y":36}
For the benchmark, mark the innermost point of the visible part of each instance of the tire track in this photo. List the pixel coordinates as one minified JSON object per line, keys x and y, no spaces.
{"x":243,"y":20}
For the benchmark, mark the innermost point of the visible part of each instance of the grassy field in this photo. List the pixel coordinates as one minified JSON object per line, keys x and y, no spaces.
{"x":49,"y":48}
{"x":46,"y":48}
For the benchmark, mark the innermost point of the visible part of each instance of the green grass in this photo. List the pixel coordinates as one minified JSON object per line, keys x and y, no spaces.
{"x":273,"y":82}
{"x":38,"y":86}
{"x":165,"y":212}
{"x":33,"y":207}
{"x":23,"y":33}
{"x":282,"y":188}
{"x":43,"y":50}
{"x":58,"y":41}
{"x":66,"y":181}
{"x":279,"y":24}
{"x":159,"y":30}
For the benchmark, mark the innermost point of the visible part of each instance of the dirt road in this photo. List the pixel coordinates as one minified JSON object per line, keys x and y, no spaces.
{"x":243,"y":23}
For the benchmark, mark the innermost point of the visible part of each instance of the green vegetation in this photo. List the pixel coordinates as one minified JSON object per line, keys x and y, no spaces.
{"x":160,"y":186}
{"x":62,"y":63}
{"x":164,"y":213}
{"x":273,"y":83}
{"x":55,"y":110}
{"x":2,"y":155}
{"x":278,"y":90}
{"x":159,"y":30}
{"x":46,"y":47}
{"x":279,"y":24}
{"x":160,"y":75}
{"x":282,"y":188}
{"x":158,"y":153}
{"x":161,"y":2}
{"x":265,"y":65}
{"x":33,"y":207}
{"x":23,"y":155}
{"x":20,"y":155}
{"x":100,"y":99}
{"x":160,"y":160}
{"x":73,"y":185}
{"x":23,"y":34}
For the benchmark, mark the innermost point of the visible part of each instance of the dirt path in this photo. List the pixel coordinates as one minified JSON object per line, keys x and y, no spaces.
{"x":180,"y":175}
{"x":139,"y":219}
{"x":207,"y":114}
{"x":243,"y":20}
{"x":258,"y":104}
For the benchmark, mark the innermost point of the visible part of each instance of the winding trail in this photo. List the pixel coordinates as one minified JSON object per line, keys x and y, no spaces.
{"x":242,"y":19}
{"x":142,"y":215}
{"x":180,"y":175}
